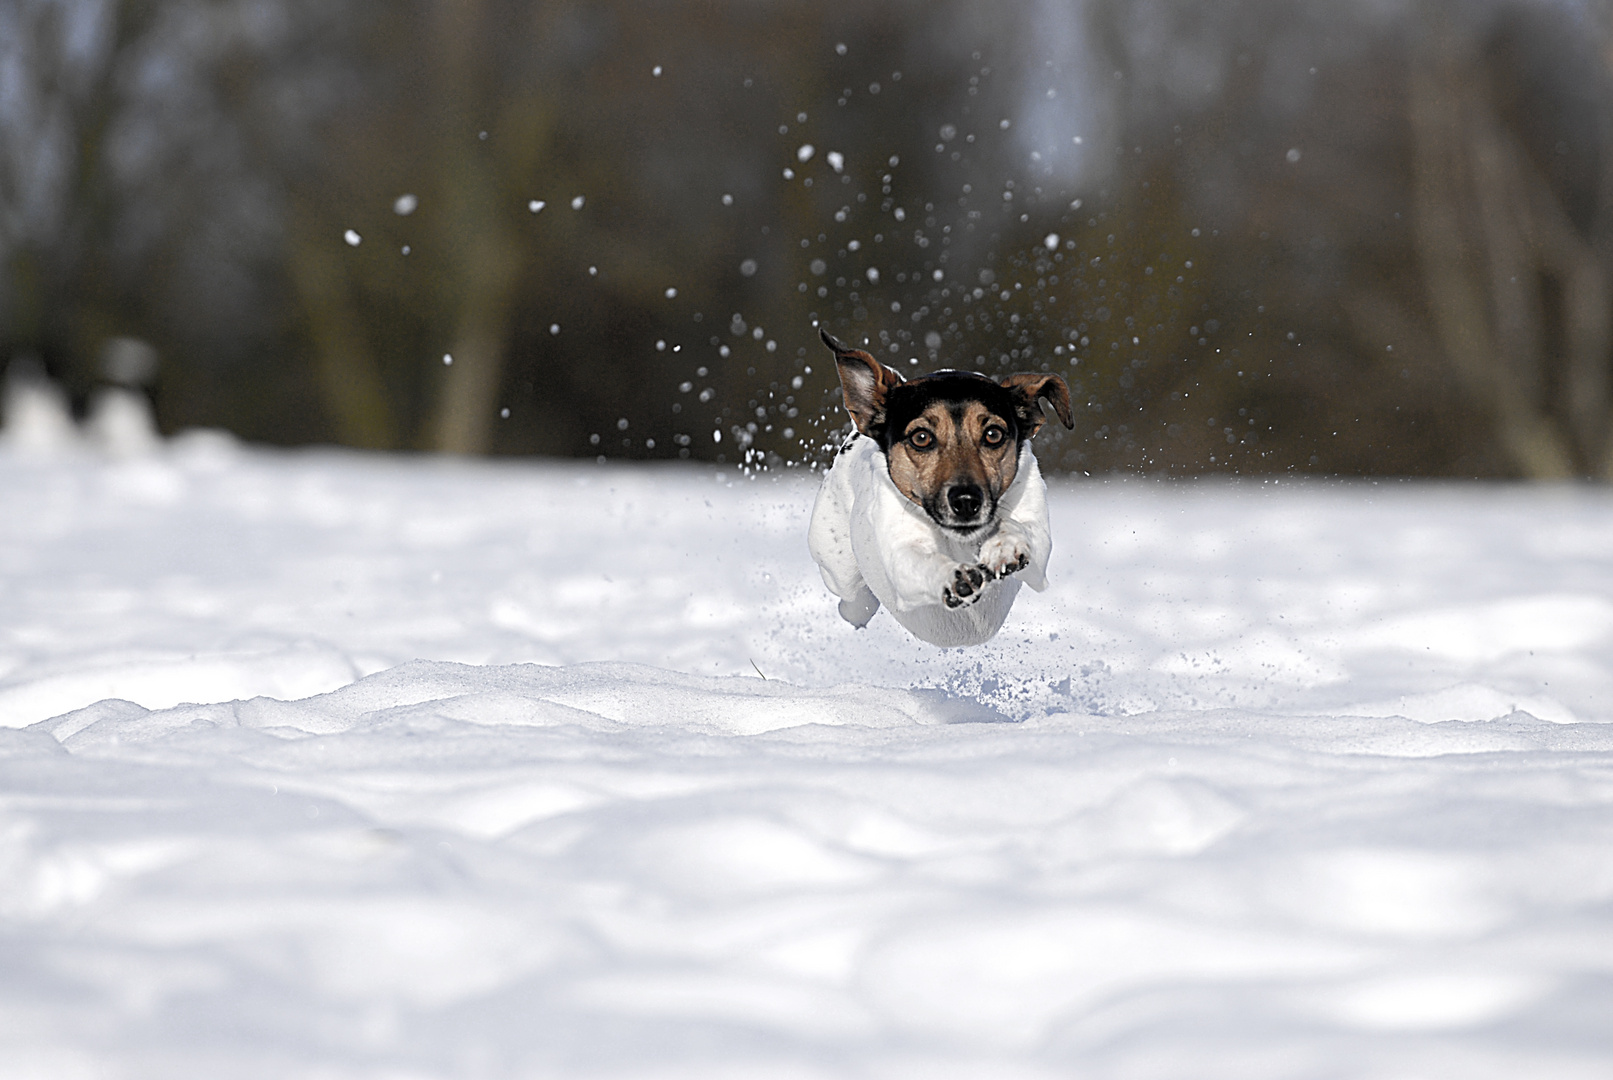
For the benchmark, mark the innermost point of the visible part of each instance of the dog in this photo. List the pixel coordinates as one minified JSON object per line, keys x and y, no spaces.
{"x":935,"y":507}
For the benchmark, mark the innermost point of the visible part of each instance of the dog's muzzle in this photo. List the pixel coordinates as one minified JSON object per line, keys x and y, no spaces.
{"x":963,"y":508}
{"x":965,"y":501}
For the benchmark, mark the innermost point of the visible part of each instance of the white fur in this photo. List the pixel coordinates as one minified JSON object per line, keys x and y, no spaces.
{"x":875,"y":547}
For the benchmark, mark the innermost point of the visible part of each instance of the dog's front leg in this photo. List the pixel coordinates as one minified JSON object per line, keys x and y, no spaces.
{"x":924,"y":575}
{"x":1006,"y":551}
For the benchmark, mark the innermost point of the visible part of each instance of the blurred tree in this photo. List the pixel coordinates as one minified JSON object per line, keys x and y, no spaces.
{"x":418,"y":136}
{"x":1407,"y":286}
{"x":55,"y":192}
{"x":1519,"y":295}
{"x":1256,"y":236}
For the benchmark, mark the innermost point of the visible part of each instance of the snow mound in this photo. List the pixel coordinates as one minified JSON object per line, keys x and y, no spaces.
{"x":423,"y":694}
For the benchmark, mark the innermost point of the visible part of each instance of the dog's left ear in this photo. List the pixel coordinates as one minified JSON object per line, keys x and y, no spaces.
{"x":1027,"y":387}
{"x":864,"y":381}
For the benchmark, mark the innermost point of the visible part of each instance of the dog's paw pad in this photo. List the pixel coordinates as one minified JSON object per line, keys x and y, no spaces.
{"x":965,"y":587}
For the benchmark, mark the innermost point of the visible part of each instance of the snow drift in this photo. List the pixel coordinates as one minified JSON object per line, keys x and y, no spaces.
{"x":333,"y":765}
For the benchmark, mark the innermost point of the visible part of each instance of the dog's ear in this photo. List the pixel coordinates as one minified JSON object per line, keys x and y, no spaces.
{"x":1027,"y":387}
{"x":864,"y":381}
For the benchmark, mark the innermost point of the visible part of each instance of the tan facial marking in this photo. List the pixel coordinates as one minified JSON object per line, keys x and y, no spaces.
{"x":952,"y":444}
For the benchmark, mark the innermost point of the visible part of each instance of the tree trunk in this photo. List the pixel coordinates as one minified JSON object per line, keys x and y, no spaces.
{"x":345,"y":368}
{"x":1479,"y":267}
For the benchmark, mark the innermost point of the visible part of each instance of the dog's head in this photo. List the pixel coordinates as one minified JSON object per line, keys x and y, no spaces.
{"x":951,"y":439}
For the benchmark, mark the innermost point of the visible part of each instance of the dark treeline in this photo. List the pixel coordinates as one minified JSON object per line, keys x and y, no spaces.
{"x":1256,"y":236}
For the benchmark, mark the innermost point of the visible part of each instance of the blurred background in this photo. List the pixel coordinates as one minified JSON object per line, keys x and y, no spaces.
{"x":1369,"y":237}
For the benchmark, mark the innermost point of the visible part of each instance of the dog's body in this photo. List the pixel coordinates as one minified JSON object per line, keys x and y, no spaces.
{"x":874,"y":546}
{"x":936,"y":507}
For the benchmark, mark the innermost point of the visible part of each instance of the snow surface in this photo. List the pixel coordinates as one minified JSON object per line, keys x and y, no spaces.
{"x":1276,"y":780}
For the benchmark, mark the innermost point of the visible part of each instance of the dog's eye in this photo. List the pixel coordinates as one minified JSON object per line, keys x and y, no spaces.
{"x":994,"y":436}
{"x":921,"y":439}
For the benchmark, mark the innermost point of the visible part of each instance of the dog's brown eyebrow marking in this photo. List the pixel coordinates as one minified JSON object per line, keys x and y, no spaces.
{"x":957,"y":414}
{"x":924,"y":420}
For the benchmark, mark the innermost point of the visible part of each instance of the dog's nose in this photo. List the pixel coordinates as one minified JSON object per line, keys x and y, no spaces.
{"x":966,"y":500}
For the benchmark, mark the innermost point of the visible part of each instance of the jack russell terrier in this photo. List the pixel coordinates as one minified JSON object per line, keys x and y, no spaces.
{"x":935,"y":507}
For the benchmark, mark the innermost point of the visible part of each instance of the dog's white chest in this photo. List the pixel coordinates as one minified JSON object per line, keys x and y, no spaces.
{"x":875,"y":547}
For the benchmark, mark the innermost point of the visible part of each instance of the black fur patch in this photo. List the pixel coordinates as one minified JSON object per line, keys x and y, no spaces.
{"x":904,"y":403}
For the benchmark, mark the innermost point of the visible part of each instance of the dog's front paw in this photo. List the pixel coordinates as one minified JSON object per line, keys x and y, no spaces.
{"x":967,"y":581}
{"x":1004,"y":555}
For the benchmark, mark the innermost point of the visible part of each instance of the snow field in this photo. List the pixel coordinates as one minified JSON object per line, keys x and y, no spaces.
{"x":524,"y":770}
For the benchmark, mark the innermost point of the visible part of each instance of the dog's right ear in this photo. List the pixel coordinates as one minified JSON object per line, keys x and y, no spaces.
{"x":864,"y":381}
